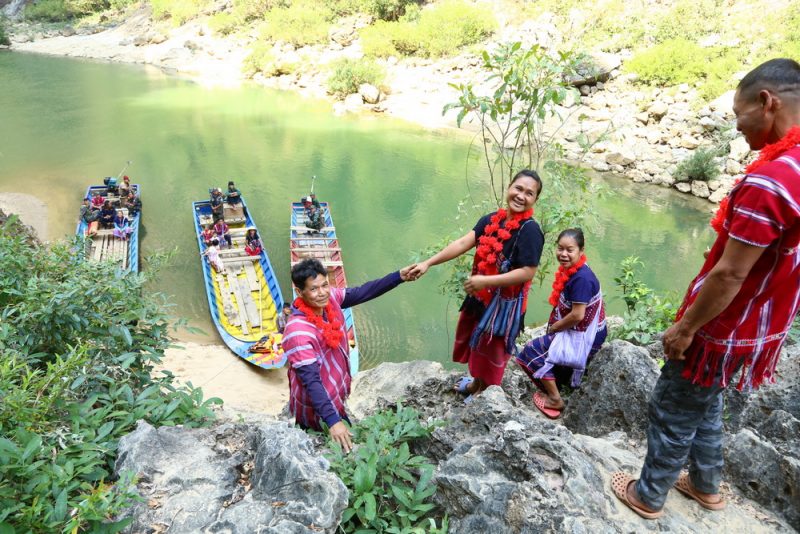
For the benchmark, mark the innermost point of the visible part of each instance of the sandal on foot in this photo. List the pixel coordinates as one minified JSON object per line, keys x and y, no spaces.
{"x":684,"y":485}
{"x":619,"y":484}
{"x":539,"y":401}
{"x":463,"y":385}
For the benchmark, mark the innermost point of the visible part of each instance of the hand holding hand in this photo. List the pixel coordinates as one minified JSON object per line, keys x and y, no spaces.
{"x":417,"y":270}
{"x":341,"y":435}
{"x":405,"y":273}
{"x":475,"y":283}
{"x":676,"y":340}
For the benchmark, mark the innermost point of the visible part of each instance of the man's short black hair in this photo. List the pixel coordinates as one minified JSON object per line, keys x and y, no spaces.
{"x":779,"y":75}
{"x":308,"y":268}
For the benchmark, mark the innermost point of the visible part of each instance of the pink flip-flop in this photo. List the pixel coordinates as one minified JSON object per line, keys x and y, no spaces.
{"x":539,"y":401}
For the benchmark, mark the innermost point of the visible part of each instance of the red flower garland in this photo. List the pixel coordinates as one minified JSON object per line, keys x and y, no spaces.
{"x":331,"y":331}
{"x":767,"y":154}
{"x":562,"y":277}
{"x":490,"y":245}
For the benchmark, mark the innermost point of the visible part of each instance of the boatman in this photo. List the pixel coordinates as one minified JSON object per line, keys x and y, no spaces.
{"x":315,"y":342}
{"x":737,"y":311}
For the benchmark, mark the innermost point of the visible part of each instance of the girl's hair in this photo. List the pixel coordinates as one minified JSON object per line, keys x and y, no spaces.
{"x":574,"y":233}
{"x":527,"y":173}
{"x":215,"y":242}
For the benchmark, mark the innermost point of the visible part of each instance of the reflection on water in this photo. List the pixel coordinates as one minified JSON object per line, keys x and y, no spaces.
{"x":394,"y":188}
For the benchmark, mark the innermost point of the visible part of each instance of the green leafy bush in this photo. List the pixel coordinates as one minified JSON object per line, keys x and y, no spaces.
{"x":79,"y":343}
{"x":440,"y":31}
{"x":668,"y":63}
{"x":390,"y":489}
{"x":687,"y":19}
{"x":48,"y":11}
{"x":647,"y":313}
{"x":263,"y":60}
{"x":700,"y":165}
{"x":348,"y":74}
{"x":178,"y":11}
{"x":302,"y":23}
{"x":4,"y":39}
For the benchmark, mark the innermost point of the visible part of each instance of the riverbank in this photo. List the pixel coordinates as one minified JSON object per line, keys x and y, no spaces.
{"x":634,"y":131}
{"x":31,"y":211}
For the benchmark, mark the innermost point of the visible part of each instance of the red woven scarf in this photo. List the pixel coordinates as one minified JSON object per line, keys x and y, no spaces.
{"x":490,"y":244}
{"x":562,"y":277}
{"x":767,"y":154}
{"x":331,"y":331}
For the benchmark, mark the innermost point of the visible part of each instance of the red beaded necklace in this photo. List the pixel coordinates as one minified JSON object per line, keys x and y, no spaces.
{"x":490,"y":244}
{"x":767,"y":154}
{"x":331,"y":331}
{"x":562,"y":277}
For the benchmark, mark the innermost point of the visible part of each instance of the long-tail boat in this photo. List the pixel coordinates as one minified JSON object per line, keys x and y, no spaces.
{"x":322,"y":244}
{"x":103,"y":245}
{"x":244,"y":300}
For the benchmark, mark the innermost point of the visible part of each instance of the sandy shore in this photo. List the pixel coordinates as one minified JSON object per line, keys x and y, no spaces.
{"x":220,"y":373}
{"x":30,"y":210}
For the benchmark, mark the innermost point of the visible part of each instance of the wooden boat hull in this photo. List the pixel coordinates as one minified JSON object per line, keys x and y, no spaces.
{"x":323,"y":245}
{"x":103,"y":246}
{"x":244,"y":302}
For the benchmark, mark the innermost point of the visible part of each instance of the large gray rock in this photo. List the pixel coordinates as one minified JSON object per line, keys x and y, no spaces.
{"x":232,"y":478}
{"x":614,"y":393}
{"x":784,"y":394}
{"x":764,"y":473}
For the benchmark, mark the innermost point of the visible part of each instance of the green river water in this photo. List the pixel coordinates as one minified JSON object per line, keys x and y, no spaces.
{"x":394,"y":187}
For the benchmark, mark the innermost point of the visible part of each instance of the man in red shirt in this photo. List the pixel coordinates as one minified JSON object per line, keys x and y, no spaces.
{"x":739,"y":308}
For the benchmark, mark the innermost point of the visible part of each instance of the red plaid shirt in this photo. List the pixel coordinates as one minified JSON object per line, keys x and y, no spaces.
{"x":764,"y":211}
{"x":303,"y":345}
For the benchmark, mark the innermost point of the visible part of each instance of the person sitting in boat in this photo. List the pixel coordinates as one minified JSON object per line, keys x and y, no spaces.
{"x":97,"y":200}
{"x":107,"y":214}
{"x":313,"y":214}
{"x":89,"y":215}
{"x":217,"y":203}
{"x":576,"y":329}
{"x":283,"y":316}
{"x":134,"y":204}
{"x":233,"y":197}
{"x":315,"y":342}
{"x":122,"y":226}
{"x":252,"y":245}
{"x":208,"y":234}
{"x":124,"y":188}
{"x":223,"y":232}
{"x":212,"y":254}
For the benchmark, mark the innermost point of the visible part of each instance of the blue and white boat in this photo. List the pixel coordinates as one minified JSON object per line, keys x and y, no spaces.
{"x":103,"y":245}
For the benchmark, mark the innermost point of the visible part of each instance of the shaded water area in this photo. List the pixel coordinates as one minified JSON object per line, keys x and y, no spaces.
{"x":394,"y":188}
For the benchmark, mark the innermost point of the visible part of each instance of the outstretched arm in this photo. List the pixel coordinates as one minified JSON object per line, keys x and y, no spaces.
{"x":371,"y":290}
{"x":453,"y":250}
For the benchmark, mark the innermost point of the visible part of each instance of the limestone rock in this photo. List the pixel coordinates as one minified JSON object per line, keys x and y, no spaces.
{"x":718,"y":195}
{"x":596,"y":69}
{"x":739,"y":149}
{"x":700,"y":189}
{"x":623,"y":157}
{"x":353,"y":101}
{"x":157,"y":38}
{"x":784,"y":394}
{"x":387,"y":383}
{"x":723,"y":103}
{"x":687,"y":141}
{"x":732,"y":167}
{"x":369,"y":93}
{"x":199,"y":478}
{"x":708,"y":123}
{"x":683,"y":187}
{"x":597,"y":408}
{"x":658,"y":109}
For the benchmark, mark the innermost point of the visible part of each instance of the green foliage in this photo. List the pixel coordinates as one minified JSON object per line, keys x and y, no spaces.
{"x":4,"y":39}
{"x":301,"y":23}
{"x":48,"y":11}
{"x":440,"y":31}
{"x":648,"y":313}
{"x":687,"y":19}
{"x":348,"y":74}
{"x":178,"y":11}
{"x":668,"y":63}
{"x":79,"y":342}
{"x":390,"y":489}
{"x":263,"y":60}
{"x":700,"y":165}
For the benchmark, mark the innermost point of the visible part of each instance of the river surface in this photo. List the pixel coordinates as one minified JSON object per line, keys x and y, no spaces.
{"x":394,"y":187}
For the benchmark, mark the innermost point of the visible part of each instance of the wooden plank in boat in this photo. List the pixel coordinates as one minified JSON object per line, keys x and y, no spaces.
{"x":307,"y":229}
{"x":302,"y":250}
{"x":233,"y":280}
{"x":227,"y":304}
{"x":252,"y":277}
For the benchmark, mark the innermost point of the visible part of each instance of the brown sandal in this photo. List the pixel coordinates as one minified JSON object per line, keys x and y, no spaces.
{"x":684,"y":485}
{"x":619,"y":484}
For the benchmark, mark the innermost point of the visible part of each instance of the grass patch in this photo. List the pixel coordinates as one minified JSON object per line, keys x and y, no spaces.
{"x":348,"y":74}
{"x":48,"y":11}
{"x":178,"y":11}
{"x":4,"y":39}
{"x":442,"y":30}
{"x":301,"y":23}
{"x":700,"y":165}
{"x":262,"y":59}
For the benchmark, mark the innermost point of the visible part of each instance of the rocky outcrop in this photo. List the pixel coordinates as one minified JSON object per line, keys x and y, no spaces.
{"x":263,"y":478}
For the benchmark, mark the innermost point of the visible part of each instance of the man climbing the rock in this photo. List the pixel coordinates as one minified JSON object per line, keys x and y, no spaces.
{"x":737,"y":311}
{"x":315,"y":342}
